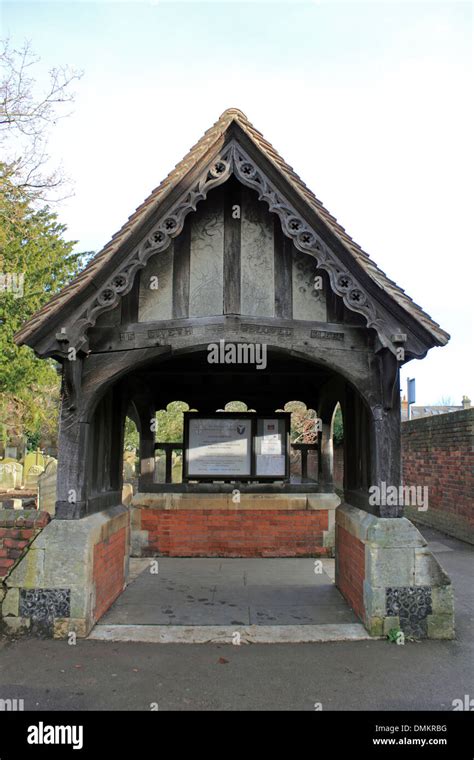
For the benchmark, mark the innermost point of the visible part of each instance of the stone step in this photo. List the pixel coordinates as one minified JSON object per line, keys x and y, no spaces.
{"x":224,"y":634}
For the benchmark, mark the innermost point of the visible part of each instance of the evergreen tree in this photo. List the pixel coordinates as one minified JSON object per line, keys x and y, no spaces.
{"x":35,"y":262}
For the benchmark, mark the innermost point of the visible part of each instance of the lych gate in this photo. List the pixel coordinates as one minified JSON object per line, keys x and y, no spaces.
{"x":232,"y":249}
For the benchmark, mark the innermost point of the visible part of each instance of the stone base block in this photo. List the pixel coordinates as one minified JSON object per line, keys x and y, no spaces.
{"x":70,"y":575}
{"x":387,"y":573}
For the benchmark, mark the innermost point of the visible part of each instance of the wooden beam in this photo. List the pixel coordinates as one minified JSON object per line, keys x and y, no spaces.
{"x":283,"y":272}
{"x":130,"y":302}
{"x":181,"y":271}
{"x":232,"y":242}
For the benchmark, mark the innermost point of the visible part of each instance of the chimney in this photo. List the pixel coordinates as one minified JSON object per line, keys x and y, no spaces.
{"x":404,"y":408}
{"x":466,"y":402}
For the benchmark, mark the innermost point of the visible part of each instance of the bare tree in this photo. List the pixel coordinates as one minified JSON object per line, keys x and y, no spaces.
{"x":445,"y":401}
{"x":27,"y":116}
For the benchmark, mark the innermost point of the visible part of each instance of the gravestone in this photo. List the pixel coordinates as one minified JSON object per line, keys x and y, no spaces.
{"x":10,"y":475}
{"x":129,"y":470}
{"x":127,"y":494}
{"x":18,"y":474}
{"x":12,"y":504}
{"x":31,"y":459}
{"x":47,"y":487}
{"x":7,"y":476}
{"x":31,"y":481}
{"x":160,"y":468}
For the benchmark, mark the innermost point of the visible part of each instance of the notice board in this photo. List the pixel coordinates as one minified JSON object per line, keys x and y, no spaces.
{"x":236,"y":446}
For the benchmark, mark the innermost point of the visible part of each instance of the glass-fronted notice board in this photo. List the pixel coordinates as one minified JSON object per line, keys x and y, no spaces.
{"x":236,"y":446}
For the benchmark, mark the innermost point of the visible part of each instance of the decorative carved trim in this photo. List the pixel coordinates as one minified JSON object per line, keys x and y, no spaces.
{"x":168,"y":227}
{"x":308,"y":241}
{"x":412,"y":605}
{"x":233,"y":159}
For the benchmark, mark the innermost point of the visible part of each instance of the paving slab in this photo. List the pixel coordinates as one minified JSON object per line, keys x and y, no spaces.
{"x":217,"y":592}
{"x":438,"y":548}
{"x":291,"y":614}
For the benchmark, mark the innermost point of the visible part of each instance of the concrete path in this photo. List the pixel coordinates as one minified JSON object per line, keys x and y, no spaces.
{"x":457,"y":558}
{"x":230,"y":592}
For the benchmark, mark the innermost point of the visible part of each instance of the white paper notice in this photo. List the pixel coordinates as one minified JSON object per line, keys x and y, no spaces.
{"x":271,"y":465}
{"x":271,"y":440}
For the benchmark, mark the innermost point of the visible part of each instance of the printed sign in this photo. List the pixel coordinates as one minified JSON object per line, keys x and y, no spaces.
{"x":219,"y":447}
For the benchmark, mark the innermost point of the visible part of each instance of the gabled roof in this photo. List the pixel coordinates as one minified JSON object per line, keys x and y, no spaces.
{"x":214,"y":136}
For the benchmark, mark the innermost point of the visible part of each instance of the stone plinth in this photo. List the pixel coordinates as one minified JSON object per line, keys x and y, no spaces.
{"x":389,"y":576}
{"x":70,"y":575}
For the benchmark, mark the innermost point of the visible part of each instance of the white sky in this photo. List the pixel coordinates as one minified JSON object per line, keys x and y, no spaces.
{"x":371,"y":103}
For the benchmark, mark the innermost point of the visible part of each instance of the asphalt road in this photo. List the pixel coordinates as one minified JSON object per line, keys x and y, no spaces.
{"x":50,"y":675}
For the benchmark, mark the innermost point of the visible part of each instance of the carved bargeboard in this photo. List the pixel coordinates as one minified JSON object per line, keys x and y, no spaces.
{"x":233,"y":159}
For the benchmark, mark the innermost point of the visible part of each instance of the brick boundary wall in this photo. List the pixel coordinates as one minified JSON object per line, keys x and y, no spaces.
{"x":438,"y":452}
{"x":350,"y":569}
{"x":108,"y":571}
{"x":18,"y":528}
{"x":240,"y":533}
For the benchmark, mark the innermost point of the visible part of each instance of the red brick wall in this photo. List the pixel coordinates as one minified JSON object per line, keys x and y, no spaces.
{"x":18,"y":528}
{"x":438,"y":452}
{"x":234,"y":533}
{"x":350,"y":569}
{"x":108,"y":571}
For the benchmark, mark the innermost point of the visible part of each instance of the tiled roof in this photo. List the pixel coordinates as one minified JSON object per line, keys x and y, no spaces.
{"x":149,"y":206}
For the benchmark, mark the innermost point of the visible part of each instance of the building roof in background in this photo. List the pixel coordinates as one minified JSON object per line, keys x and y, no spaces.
{"x":432,"y":411}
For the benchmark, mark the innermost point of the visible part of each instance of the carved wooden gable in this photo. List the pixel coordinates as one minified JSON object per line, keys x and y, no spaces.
{"x":185,"y":253}
{"x":231,"y":257}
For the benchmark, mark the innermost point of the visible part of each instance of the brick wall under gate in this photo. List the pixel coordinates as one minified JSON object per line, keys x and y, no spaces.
{"x":261,"y":526}
{"x":221,"y":533}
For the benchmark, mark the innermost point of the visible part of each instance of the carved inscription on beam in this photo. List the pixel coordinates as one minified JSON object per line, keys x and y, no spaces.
{"x":326,"y":335}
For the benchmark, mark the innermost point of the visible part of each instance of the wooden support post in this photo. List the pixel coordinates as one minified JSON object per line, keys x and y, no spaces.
{"x":168,"y":465}
{"x":147,"y":461}
{"x":350,"y":441}
{"x":72,"y":472}
{"x":73,"y":443}
{"x":357,"y":443}
{"x":146,"y":412}
{"x":232,"y":221}
{"x":168,"y":447}
{"x":385,"y":451}
{"x":326,"y":454}
{"x":304,"y":464}
{"x":385,"y":459}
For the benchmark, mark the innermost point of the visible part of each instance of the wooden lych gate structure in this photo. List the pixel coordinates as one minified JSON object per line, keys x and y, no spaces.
{"x":231,"y":246}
